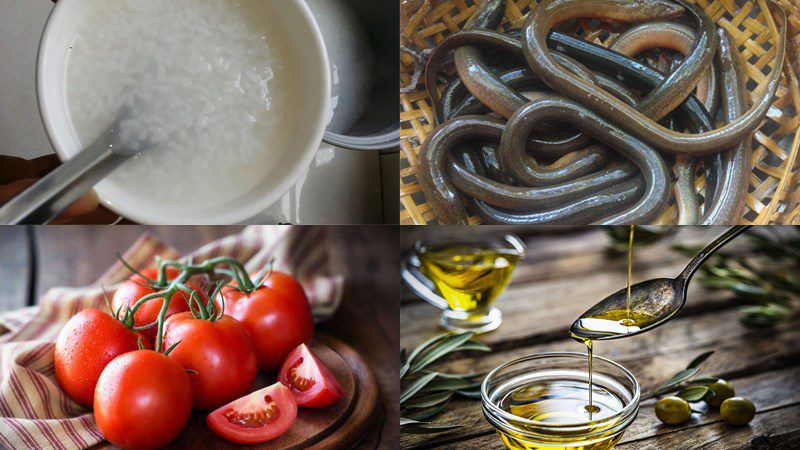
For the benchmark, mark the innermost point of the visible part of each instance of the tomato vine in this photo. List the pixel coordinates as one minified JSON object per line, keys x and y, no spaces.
{"x":223,"y":268}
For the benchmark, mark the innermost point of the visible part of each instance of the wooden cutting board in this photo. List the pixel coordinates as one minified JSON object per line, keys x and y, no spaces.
{"x":339,"y":426}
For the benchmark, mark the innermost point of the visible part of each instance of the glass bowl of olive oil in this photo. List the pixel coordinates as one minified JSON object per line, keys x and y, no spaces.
{"x":464,"y":277}
{"x":542,"y":402}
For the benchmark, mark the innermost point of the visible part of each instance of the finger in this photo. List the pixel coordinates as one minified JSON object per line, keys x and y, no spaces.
{"x":100,"y":216}
{"x":84,"y":205}
{"x":14,"y":188}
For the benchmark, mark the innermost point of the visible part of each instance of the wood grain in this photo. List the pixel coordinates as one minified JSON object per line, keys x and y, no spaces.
{"x":777,"y":428}
{"x":546,"y":294}
{"x":684,"y":334}
{"x":368,"y":319}
{"x":772,"y":388}
{"x":313,"y":426}
{"x":584,"y":274}
{"x":735,"y":356}
{"x":354,"y":432}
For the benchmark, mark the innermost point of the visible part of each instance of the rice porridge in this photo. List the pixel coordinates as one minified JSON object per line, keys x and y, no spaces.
{"x":208,"y":81}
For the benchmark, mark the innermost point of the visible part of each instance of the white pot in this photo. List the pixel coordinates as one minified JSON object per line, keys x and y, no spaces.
{"x":309,"y":55}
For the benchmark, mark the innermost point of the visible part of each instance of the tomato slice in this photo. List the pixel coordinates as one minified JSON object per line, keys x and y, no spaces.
{"x":258,"y":417}
{"x":313,"y":384}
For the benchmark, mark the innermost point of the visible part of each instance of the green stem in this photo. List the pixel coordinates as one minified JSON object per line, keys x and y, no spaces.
{"x":200,"y":307}
{"x":178,"y":284}
{"x":145,"y":299}
{"x":161,"y":317}
{"x":243,"y":279}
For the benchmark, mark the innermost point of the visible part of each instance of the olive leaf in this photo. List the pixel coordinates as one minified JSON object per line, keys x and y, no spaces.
{"x":643,"y":235}
{"x":764,"y":277}
{"x":475,"y":395}
{"x":451,"y":384}
{"x":704,"y":381}
{"x":678,"y":378}
{"x":417,"y":427}
{"x":407,"y":363}
{"x":473,"y":345}
{"x":408,"y":391}
{"x":426,"y":413}
{"x":699,"y":359}
{"x":461,"y":375}
{"x":680,"y":381}
{"x":695,"y":393}
{"x":765,"y":315}
{"x":424,"y":392}
{"x":429,"y":400}
{"x":446,"y":345}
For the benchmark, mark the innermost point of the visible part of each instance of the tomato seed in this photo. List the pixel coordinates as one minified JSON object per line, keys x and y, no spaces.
{"x":298,"y":382}
{"x":254,"y":419}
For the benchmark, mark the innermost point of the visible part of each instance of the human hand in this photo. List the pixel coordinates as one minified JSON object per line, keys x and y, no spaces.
{"x":18,"y":174}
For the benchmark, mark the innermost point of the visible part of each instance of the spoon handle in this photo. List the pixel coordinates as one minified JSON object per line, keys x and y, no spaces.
{"x":54,"y":193}
{"x":709,"y":250}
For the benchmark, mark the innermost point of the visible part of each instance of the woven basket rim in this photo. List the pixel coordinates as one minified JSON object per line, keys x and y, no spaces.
{"x":774,"y":191}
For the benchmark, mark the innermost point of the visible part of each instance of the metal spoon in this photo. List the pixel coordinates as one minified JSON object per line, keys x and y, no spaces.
{"x":54,"y":193}
{"x":653,"y":302}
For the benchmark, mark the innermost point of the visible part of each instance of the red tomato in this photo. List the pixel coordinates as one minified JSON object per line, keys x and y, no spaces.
{"x":86,"y":344}
{"x":143,"y":400}
{"x":258,"y":417}
{"x":276,"y":315}
{"x":285,"y":284}
{"x":137,"y":287}
{"x":311,"y":382}
{"x":220,"y":352}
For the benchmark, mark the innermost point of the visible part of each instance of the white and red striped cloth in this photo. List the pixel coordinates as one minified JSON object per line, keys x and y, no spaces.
{"x":36,"y":414}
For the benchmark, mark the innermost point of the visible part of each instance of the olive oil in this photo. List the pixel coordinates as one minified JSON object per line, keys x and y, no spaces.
{"x":469,"y":277}
{"x":591,"y":408}
{"x":615,"y":321}
{"x":627,"y":320}
{"x":559,"y":402}
{"x":562,"y":402}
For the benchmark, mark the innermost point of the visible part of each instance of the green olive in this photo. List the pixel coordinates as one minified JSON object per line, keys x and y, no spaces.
{"x":737,"y":411}
{"x":722,"y":391}
{"x":673,"y":410}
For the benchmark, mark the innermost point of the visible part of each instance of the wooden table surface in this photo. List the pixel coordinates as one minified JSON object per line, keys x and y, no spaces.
{"x":38,"y":258}
{"x":567,"y":272}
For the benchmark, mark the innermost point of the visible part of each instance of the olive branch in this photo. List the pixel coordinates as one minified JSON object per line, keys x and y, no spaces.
{"x":424,"y":392}
{"x":766,"y":277}
{"x":689,"y":388}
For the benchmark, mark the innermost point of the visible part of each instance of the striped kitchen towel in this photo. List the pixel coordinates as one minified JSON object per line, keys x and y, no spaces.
{"x":36,"y":414}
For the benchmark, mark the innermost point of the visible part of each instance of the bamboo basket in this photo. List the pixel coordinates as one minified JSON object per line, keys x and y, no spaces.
{"x":773,"y":196}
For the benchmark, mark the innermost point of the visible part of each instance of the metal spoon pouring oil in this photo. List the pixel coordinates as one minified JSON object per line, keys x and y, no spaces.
{"x":591,"y":408}
{"x":652,"y":303}
{"x":646,"y":305}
